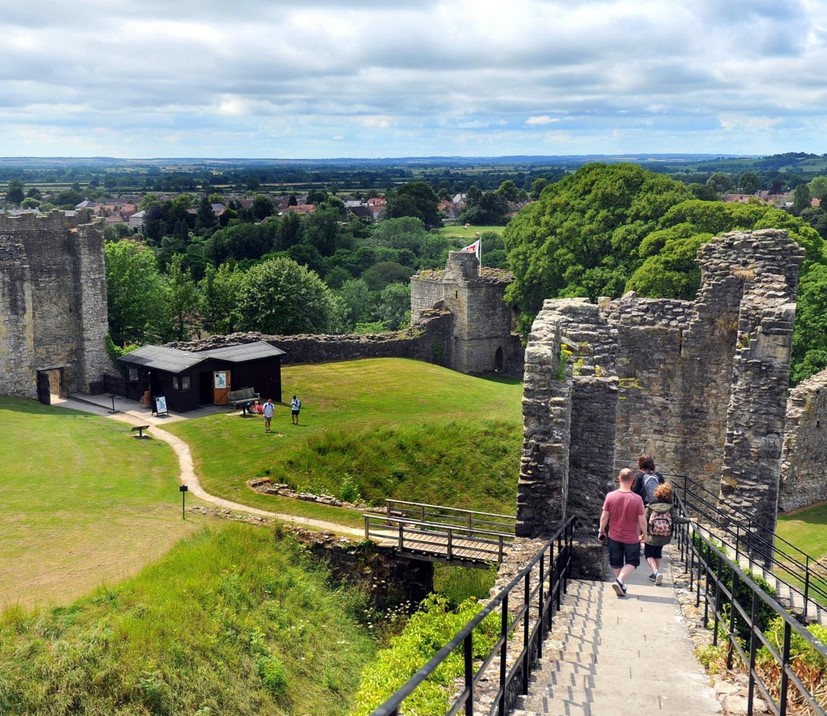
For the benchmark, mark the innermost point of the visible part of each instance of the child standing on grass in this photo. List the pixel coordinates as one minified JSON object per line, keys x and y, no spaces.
{"x":295,"y":407}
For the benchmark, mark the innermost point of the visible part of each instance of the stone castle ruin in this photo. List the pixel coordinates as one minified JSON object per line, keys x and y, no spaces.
{"x":53,"y":314}
{"x":482,"y":337}
{"x":702,"y":386}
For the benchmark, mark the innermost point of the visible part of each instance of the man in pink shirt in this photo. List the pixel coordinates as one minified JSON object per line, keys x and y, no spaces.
{"x":623,"y":514}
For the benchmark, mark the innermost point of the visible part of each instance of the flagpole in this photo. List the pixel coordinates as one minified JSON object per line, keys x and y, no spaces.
{"x":479,"y":248}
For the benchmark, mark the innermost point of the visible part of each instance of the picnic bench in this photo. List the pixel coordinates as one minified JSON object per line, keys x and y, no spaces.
{"x":242,"y":396}
{"x":140,"y":429}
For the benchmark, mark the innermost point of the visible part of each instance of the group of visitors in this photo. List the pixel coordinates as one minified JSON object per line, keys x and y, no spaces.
{"x":639,"y":512}
{"x":268,"y":409}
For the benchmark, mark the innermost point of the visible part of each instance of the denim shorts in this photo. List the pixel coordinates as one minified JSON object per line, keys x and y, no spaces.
{"x":621,"y":553}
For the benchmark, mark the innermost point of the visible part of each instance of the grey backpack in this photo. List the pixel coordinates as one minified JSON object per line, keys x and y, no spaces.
{"x":650,"y":482}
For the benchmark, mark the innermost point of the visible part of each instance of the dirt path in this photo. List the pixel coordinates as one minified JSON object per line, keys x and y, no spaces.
{"x":188,"y":477}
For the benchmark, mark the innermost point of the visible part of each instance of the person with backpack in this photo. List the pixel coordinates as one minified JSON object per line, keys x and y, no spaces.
{"x":661,"y":518}
{"x":647,"y":479}
{"x":295,"y":407}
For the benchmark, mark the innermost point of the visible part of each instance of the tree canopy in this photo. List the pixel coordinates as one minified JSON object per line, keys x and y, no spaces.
{"x":607,"y":229}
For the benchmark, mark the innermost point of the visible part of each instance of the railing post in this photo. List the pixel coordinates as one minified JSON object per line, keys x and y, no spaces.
{"x":501,"y":554}
{"x":785,"y":680}
{"x":753,"y":648}
{"x":526,"y":645}
{"x":367,"y":528}
{"x":503,"y":653}
{"x":450,"y":543}
{"x":401,"y":541}
{"x":541,"y":615}
{"x":732,"y":613}
{"x":738,"y":543}
{"x":468,"y":646}
{"x":806,"y":586}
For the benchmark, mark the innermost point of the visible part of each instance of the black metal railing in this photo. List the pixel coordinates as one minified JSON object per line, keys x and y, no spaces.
{"x":740,"y":609}
{"x":791,"y":566}
{"x":527,"y":606}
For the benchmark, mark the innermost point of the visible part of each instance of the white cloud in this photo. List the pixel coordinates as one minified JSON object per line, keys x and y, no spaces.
{"x":147,"y":78}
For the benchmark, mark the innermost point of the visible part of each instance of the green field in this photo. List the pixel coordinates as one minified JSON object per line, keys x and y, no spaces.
{"x":468,"y":233}
{"x":83,"y":502}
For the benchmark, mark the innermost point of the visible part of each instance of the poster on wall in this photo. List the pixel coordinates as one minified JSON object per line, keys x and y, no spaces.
{"x":220,"y":379}
{"x":161,"y":405}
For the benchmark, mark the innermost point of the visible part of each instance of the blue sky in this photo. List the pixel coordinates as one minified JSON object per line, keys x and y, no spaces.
{"x":318,"y":78}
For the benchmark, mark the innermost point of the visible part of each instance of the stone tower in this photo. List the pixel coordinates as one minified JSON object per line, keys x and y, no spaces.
{"x":482,"y":340}
{"x":53,"y":314}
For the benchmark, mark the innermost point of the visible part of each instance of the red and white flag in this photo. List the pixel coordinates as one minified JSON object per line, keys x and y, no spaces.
{"x":474,"y":248}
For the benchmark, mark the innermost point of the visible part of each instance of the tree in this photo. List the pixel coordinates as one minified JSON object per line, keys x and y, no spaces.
{"x":415,"y":199}
{"x":15,"y":193}
{"x":818,"y":188}
{"x":205,"y":218}
{"x":720,"y":182}
{"x":220,"y":289}
{"x":183,"y":298}
{"x":280,"y":297}
{"x":801,"y":198}
{"x":136,"y":295}
{"x":581,"y":237}
{"x":537,"y":187}
{"x":356,"y":298}
{"x":263,"y":207}
{"x":750,"y":183}
{"x":394,"y":306}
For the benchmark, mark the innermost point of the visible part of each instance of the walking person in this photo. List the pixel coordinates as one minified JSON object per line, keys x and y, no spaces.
{"x":269,"y":409}
{"x":622,"y":516}
{"x":647,"y":479}
{"x":661,"y":518}
{"x":295,"y":407}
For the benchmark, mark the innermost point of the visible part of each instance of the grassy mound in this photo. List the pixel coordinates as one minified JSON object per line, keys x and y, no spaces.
{"x":380,"y":428}
{"x":230,"y":621}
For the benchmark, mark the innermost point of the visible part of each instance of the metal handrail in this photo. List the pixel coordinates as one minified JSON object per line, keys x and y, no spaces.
{"x":707,"y":560}
{"x":810,"y":572}
{"x":546,"y":595}
{"x":452,"y":515}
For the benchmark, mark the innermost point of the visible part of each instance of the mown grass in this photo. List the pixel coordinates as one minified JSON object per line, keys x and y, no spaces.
{"x":380,"y":428}
{"x":233,"y":620}
{"x":469,"y":233}
{"x":807,"y":530}
{"x":83,"y":502}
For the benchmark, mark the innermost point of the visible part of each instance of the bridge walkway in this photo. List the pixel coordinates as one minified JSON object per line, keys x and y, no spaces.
{"x":609,"y":656}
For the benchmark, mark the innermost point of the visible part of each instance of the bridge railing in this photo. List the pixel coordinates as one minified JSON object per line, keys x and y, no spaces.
{"x":741,"y":611}
{"x":797,"y":570}
{"x":526,"y":606}
{"x":438,"y":539}
{"x":438,"y":514}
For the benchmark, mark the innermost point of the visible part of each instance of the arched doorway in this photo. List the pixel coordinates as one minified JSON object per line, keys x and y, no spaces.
{"x":499,"y":361}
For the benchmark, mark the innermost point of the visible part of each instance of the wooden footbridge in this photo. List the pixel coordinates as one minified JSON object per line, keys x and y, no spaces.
{"x":441,"y":534}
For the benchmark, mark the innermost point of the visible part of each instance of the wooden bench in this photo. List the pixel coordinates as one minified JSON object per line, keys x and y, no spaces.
{"x":241,"y":396}
{"x":140,"y":429}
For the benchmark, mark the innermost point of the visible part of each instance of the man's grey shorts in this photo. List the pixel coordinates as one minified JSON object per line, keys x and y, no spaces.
{"x":621,"y":553}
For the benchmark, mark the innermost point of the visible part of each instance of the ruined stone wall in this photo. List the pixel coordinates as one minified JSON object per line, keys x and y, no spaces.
{"x":53,"y":294}
{"x":699,"y":385}
{"x":804,"y":452}
{"x":429,"y":341}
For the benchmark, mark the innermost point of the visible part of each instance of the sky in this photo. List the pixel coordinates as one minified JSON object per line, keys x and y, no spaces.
{"x":409,"y":78}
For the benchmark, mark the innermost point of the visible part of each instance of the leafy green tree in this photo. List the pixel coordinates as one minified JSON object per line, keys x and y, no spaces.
{"x":321,"y":229}
{"x":357,"y":302}
{"x":184,"y":301}
{"x":721,"y":182}
{"x":537,"y":187}
{"x":386,"y":272}
{"x":818,"y":188}
{"x":205,"y":218}
{"x":14,"y":192}
{"x":136,"y":295}
{"x":394,"y":306}
{"x":810,"y":336}
{"x":750,"y":183}
{"x":801,"y":198}
{"x":415,"y":199}
{"x":220,"y":289}
{"x":263,"y":207}
{"x":581,"y":237}
{"x":280,"y":297}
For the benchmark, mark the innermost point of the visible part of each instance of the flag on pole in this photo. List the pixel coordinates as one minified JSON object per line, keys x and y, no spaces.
{"x":475,"y":248}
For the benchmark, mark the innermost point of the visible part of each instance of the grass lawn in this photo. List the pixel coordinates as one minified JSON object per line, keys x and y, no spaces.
{"x":468,"y":234}
{"x":807,"y":530}
{"x":83,"y":502}
{"x":382,"y":427}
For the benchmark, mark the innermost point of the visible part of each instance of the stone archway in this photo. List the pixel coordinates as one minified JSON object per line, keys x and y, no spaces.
{"x":499,"y":360}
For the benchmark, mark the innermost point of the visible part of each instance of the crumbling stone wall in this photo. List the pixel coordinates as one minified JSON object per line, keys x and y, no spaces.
{"x":482,"y":330}
{"x":804,"y":452}
{"x":700,"y":385}
{"x":53,"y":310}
